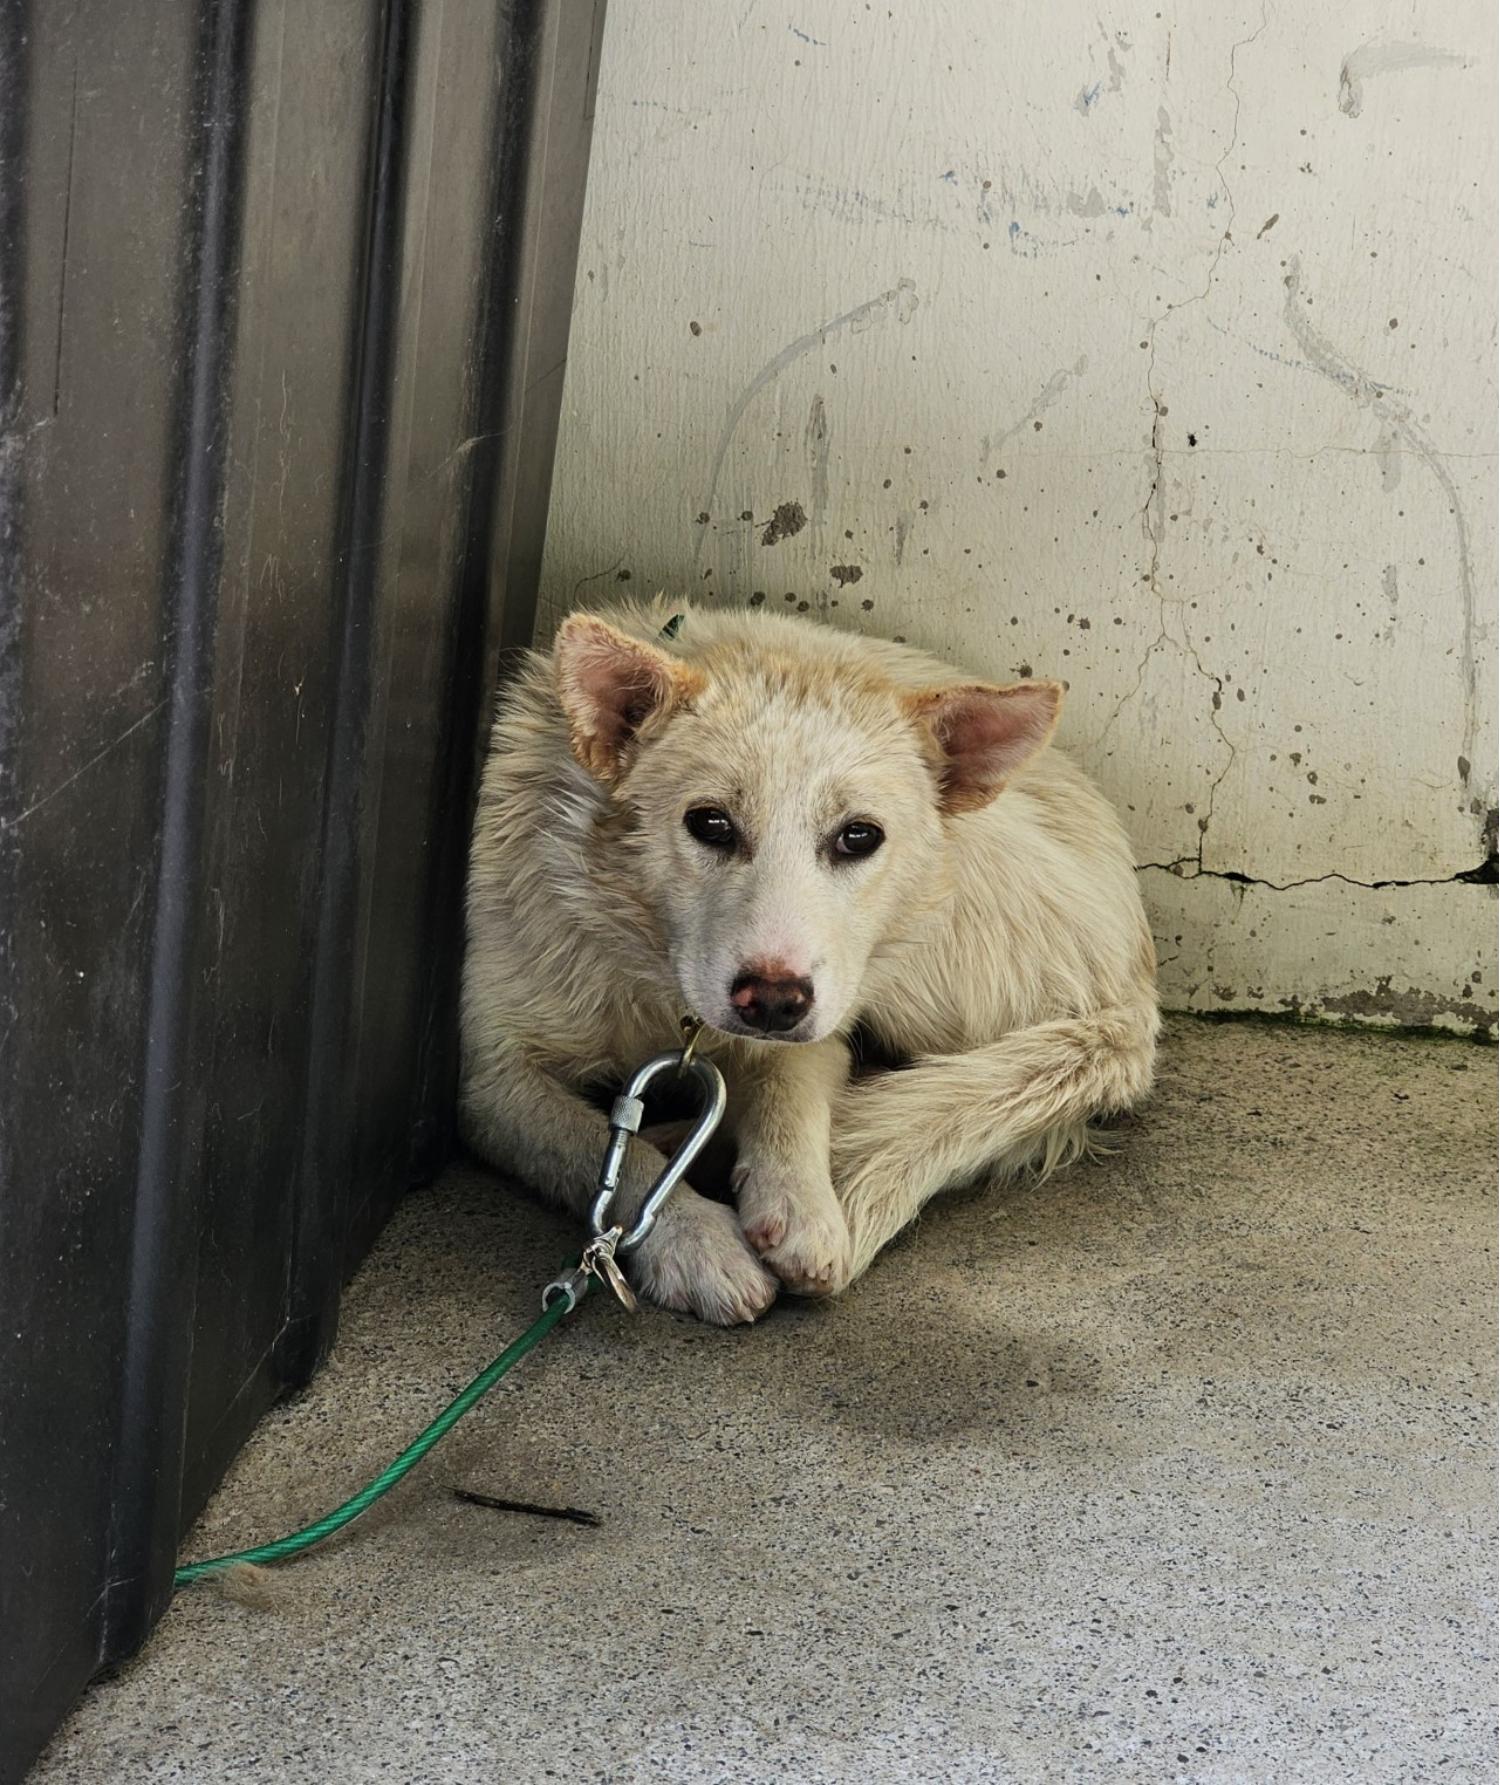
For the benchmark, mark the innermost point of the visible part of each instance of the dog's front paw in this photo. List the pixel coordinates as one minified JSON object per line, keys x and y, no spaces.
{"x":696,"y":1261}
{"x":797,"y":1227}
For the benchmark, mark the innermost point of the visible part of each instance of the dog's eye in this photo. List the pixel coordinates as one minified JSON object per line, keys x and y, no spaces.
{"x":858,"y":839}
{"x":711,"y":826}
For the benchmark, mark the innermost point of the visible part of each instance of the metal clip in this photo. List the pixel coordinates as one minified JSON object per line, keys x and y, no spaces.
{"x":598,"y":1256}
{"x":572,"y":1286}
{"x":599,"y":1260}
{"x":625,"y":1120}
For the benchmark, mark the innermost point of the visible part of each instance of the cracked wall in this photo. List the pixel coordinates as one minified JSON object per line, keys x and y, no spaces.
{"x":1155,"y":350}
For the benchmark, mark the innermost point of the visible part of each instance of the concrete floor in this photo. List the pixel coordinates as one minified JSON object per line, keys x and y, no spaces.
{"x":1178,"y":1467}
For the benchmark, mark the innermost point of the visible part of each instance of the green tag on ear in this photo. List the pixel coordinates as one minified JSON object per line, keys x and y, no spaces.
{"x":673,"y":626}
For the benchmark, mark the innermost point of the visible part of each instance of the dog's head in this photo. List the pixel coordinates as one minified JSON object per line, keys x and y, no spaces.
{"x":785,"y":814}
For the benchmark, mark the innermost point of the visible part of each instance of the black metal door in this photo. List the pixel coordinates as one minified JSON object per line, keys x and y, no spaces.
{"x":284,"y":297}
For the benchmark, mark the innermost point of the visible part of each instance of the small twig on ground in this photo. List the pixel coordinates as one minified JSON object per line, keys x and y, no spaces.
{"x":572,"y":1514}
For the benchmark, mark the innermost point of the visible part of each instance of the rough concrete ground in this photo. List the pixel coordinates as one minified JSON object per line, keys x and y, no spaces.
{"x":1177,"y":1467}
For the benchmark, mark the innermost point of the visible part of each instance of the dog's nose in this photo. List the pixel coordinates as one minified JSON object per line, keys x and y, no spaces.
{"x":773,"y":1000}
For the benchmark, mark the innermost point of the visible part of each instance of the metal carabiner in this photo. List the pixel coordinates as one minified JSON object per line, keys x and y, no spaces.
{"x":598,"y":1262}
{"x":625,"y":1120}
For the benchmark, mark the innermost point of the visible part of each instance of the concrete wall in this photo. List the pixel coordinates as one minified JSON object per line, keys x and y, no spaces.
{"x":1151,"y":348}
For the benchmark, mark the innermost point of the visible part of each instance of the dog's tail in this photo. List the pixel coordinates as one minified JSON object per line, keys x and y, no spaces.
{"x":901,"y":1137}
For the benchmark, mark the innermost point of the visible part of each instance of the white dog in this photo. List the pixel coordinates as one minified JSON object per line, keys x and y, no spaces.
{"x":787,"y":831}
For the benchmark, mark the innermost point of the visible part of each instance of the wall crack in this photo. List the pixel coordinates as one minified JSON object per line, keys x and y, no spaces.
{"x":1155,"y":494}
{"x":1153,"y":517}
{"x":1189,"y":867}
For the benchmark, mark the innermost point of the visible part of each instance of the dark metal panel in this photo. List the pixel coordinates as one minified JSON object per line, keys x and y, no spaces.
{"x":283,"y":305}
{"x":308,"y":168}
{"x":90,"y":448}
{"x":544,"y":115}
{"x":162,"y":1253}
{"x":330,"y":1109}
{"x":455,"y":107}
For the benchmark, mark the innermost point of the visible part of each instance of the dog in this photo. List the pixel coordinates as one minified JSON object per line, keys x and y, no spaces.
{"x":787,"y":831}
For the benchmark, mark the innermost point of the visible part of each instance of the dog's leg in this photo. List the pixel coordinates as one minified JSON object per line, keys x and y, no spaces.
{"x":782,"y":1184}
{"x":901,"y":1137}
{"x":519,"y":1117}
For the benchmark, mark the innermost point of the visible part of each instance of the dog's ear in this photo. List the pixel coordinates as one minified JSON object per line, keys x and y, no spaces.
{"x":984,"y":735}
{"x":614,"y":688}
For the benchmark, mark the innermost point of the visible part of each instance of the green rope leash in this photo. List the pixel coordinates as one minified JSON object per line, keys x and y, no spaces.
{"x":558,"y":1299}
{"x":297,"y":1541}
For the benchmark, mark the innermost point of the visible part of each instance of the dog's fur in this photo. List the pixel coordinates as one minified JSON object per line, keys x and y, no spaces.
{"x":995,"y":941}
